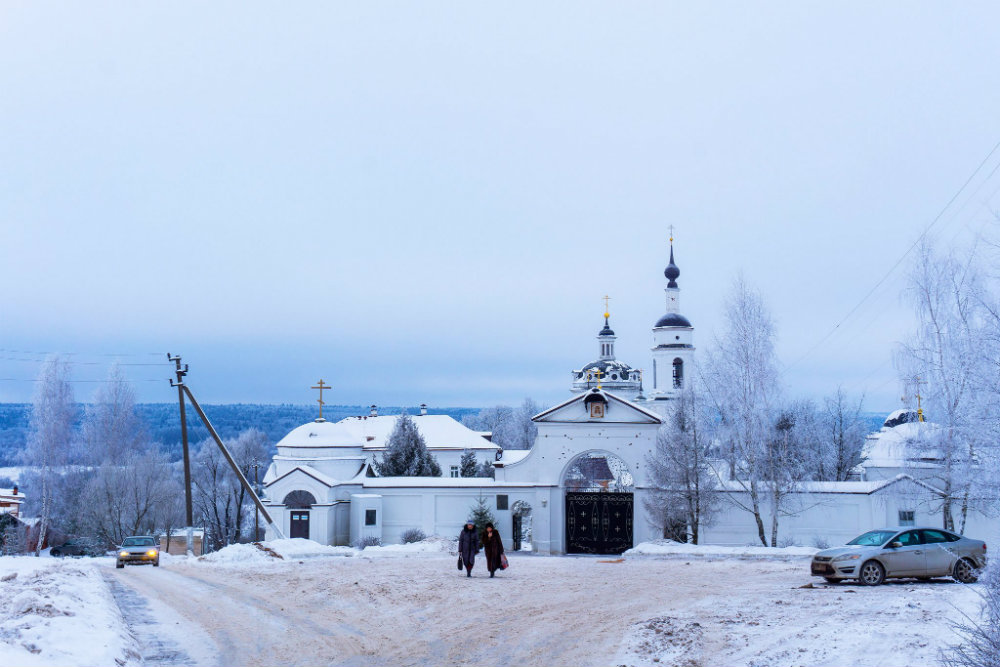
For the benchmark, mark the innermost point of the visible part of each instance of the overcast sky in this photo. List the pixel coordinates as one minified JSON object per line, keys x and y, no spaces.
{"x":425,"y":202}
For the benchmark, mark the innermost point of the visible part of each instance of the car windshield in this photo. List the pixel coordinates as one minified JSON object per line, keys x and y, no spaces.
{"x":138,"y":542}
{"x":873,"y":538}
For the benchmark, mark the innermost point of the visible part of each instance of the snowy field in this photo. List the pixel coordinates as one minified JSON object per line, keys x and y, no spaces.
{"x":662,"y":604}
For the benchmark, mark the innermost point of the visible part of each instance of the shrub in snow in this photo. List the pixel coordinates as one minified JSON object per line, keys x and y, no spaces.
{"x":369,"y":541}
{"x":413,"y":535}
{"x":980,"y":637}
{"x":820,"y":542}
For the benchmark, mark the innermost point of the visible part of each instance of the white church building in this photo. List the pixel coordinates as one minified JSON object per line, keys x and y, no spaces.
{"x":581,"y":487}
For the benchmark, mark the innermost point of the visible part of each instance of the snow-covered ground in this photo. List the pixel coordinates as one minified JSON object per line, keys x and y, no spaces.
{"x":60,"y":612}
{"x":663,"y":604}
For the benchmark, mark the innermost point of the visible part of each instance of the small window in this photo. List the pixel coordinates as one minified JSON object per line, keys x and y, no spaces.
{"x":906,"y":518}
{"x":370,"y":517}
{"x":502,"y":501}
{"x":454,"y":471}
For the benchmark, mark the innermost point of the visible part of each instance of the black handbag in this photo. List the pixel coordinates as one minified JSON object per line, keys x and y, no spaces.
{"x":460,"y":563}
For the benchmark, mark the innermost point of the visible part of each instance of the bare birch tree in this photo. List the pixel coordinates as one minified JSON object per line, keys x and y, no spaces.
{"x":945,"y":358}
{"x":50,"y":437}
{"x":741,"y":380}
{"x":686,"y":495}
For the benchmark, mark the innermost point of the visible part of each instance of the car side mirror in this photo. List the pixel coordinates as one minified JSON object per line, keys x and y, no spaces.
{"x":895,"y":545}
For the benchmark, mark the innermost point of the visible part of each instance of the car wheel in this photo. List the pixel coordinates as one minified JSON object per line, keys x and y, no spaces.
{"x":965,"y":571}
{"x":872,"y":573}
{"x":120,"y":565}
{"x":55,"y":552}
{"x":156,"y":563}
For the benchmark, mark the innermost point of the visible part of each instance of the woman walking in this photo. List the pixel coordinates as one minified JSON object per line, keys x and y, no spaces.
{"x":494,"y":549}
{"x":468,"y":547}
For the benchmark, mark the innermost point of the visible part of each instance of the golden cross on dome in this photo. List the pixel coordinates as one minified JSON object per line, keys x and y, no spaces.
{"x":321,"y":386}
{"x":606,"y":299}
{"x":598,"y":373}
{"x":671,"y":233}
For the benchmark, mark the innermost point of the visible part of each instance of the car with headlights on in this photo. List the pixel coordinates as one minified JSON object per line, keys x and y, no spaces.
{"x":138,"y":549}
{"x":919,"y":553}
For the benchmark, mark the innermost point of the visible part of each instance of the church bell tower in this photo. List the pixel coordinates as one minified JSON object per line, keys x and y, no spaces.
{"x":673,"y":343}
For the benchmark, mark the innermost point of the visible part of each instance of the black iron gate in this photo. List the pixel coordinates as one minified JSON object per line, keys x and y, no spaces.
{"x":598,"y":523}
{"x":516,"y":537}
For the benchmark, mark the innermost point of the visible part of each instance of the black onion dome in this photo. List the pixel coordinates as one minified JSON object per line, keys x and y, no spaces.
{"x":673,"y":320}
{"x":672,"y":272}
{"x":606,"y":331}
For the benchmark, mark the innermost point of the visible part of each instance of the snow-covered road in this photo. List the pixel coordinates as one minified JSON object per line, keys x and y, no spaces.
{"x":381,"y":608}
{"x":548,"y":611}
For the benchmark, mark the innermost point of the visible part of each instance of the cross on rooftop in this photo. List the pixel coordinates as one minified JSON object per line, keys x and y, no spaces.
{"x":321,"y":386}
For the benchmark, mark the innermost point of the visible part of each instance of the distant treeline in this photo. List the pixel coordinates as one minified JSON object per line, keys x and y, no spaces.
{"x":163,"y":422}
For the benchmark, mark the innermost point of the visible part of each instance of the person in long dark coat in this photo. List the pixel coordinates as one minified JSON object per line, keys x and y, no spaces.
{"x":493,"y":547}
{"x":468,"y":546}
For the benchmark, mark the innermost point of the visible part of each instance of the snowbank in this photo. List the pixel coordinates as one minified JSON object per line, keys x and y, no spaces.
{"x":671,"y":548}
{"x":432,"y":546}
{"x":56,"y":612}
{"x":298,"y":547}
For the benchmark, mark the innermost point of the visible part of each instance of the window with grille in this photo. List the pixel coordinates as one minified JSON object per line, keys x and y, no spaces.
{"x":907,"y":518}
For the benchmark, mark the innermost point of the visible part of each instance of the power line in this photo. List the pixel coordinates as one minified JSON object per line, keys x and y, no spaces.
{"x":899,"y":261}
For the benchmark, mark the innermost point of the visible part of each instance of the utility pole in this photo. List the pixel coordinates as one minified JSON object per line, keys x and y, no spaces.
{"x":188,"y":510}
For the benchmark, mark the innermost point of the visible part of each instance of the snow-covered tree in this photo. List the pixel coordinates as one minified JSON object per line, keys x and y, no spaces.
{"x":840,"y":437}
{"x":946,"y":359}
{"x":124,"y":498}
{"x":741,"y":381}
{"x":469,"y":464}
{"x":686,"y":494}
{"x":221,"y":500}
{"x":111,"y":428}
{"x":406,"y":453}
{"x":51,"y":436}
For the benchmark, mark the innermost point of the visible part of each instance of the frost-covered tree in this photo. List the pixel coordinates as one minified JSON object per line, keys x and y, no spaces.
{"x":686,"y":487}
{"x":50,"y":437}
{"x":511,"y":428}
{"x":840,"y":436}
{"x":221,"y":500}
{"x":111,"y":428}
{"x":469,"y":464}
{"x":124,"y":498}
{"x":486,"y":469}
{"x":406,"y":453}
{"x":946,"y":358}
{"x":741,"y":381}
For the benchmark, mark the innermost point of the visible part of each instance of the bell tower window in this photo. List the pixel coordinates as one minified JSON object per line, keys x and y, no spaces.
{"x":678,"y":373}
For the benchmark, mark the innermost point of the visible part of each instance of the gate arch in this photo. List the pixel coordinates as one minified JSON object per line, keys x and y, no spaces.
{"x":598,"y":503}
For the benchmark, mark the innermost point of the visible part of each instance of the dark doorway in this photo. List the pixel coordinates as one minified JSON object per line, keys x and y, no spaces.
{"x":598,"y":523}
{"x":300,"y":524}
{"x":517,"y":533}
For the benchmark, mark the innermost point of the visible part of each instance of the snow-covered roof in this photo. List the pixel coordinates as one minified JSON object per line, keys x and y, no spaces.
{"x":650,"y":416}
{"x":866,"y":488}
{"x":8,"y":496}
{"x":441,"y":482}
{"x":899,"y":446}
{"x":306,"y":470}
{"x":512,"y":456}
{"x":324,"y":434}
{"x":439,"y":432}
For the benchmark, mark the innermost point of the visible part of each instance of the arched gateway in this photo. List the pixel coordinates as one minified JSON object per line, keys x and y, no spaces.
{"x":599,"y":504}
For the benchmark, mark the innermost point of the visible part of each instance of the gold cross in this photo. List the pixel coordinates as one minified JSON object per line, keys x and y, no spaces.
{"x":321,"y":387}
{"x":598,"y":373}
{"x":671,"y":233}
{"x":606,"y":299}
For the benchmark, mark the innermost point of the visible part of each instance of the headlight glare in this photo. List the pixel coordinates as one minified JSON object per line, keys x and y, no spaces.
{"x":123,"y":554}
{"x":151,"y":552}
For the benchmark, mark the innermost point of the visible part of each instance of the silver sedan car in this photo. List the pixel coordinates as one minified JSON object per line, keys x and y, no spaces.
{"x":920,"y":553}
